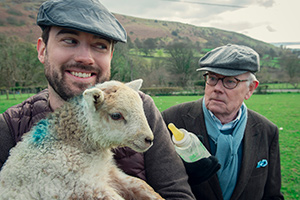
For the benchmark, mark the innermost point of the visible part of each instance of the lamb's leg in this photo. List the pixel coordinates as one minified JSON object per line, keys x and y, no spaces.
{"x":109,"y":194}
{"x":105,"y":193}
{"x":132,"y":188}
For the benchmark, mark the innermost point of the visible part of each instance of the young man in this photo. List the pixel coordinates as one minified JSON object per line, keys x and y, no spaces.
{"x":76,"y":49}
{"x":244,"y":142}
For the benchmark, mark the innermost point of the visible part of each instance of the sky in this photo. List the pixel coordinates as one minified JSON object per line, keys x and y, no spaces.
{"x":272,"y":21}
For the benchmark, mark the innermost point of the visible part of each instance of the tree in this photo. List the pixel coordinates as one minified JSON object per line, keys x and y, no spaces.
{"x":138,"y":43}
{"x":272,"y":53}
{"x":125,"y":67}
{"x":18,"y":64}
{"x":150,"y":44}
{"x":291,"y":64}
{"x":181,"y":63}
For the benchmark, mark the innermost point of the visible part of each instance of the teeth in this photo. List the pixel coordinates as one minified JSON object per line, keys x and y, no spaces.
{"x":81,"y":75}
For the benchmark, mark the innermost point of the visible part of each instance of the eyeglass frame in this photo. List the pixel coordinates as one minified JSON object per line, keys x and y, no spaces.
{"x":222,"y":79}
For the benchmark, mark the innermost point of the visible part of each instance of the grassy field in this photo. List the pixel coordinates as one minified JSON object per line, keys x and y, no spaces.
{"x":281,"y":109}
{"x":13,"y":100}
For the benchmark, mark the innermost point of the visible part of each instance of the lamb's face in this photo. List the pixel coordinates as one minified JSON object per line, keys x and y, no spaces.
{"x":118,"y":116}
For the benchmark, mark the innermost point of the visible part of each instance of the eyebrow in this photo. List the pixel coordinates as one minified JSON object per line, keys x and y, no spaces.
{"x":67,"y":31}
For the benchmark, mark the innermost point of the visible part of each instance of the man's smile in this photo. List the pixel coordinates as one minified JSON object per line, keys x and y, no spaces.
{"x":81,"y":74}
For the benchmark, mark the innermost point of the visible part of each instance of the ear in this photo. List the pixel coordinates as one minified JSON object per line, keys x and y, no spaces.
{"x":136,"y":84}
{"x":93,"y":97}
{"x":252,"y":87}
{"x":41,"y":49}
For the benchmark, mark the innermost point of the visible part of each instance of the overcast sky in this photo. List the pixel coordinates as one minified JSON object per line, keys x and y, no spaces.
{"x":265,"y":20}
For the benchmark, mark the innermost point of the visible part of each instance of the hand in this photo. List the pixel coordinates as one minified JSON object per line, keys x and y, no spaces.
{"x":202,"y":169}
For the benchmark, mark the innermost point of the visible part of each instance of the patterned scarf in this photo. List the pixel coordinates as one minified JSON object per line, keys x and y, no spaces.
{"x":227,"y":148}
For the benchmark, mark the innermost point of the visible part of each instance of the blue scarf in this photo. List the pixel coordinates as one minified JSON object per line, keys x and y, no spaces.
{"x":227,"y":149}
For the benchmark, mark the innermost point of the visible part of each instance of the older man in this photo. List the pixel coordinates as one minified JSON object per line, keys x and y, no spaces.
{"x":76,"y":49}
{"x":244,"y":142}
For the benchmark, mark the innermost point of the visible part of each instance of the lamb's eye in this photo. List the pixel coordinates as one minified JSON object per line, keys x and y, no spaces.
{"x":116,"y":116}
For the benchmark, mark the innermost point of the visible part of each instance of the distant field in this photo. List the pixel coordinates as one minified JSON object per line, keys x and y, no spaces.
{"x":281,"y":109}
{"x":279,"y":85}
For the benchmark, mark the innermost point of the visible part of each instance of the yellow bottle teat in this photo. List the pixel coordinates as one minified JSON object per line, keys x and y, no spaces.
{"x":177,"y":133}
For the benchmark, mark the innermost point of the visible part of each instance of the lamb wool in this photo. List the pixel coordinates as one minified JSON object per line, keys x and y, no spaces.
{"x":68,"y":155}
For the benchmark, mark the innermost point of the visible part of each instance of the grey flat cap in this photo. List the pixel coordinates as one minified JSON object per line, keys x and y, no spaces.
{"x":230,"y":60}
{"x":83,"y":15}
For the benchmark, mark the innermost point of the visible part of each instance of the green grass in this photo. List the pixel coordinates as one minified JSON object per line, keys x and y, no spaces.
{"x":13,"y":100}
{"x":282,"y":109}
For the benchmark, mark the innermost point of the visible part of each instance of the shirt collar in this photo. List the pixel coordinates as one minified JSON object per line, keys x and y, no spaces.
{"x":229,"y":125}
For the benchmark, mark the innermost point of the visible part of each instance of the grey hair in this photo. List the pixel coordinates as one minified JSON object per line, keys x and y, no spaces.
{"x":251,"y":78}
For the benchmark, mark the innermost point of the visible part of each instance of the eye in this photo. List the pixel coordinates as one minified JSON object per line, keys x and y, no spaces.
{"x":116,"y":116}
{"x":69,"y":41}
{"x":230,"y":81}
{"x":101,"y":46}
{"x":212,"y":78}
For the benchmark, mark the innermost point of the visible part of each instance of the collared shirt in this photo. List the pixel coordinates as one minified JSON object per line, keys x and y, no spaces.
{"x":227,"y":126}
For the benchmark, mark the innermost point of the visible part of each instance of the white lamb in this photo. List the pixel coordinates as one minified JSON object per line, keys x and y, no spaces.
{"x":68,"y":154}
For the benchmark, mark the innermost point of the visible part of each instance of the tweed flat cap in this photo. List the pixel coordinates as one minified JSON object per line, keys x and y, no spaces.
{"x":82,"y":15}
{"x":230,"y":60}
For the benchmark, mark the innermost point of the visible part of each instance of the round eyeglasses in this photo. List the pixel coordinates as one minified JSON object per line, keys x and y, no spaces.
{"x":229,"y":82}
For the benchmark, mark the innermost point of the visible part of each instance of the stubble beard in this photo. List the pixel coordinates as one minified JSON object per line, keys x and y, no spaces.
{"x":58,"y":83}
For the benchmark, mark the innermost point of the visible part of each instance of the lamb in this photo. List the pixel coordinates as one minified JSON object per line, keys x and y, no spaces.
{"x":68,"y":155}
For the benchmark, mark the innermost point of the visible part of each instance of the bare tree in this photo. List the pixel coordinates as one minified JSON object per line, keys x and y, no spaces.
{"x":182,"y":62}
{"x":291,"y":64}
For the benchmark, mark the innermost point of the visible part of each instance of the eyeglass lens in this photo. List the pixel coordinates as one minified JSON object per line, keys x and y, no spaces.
{"x":228,"y":82}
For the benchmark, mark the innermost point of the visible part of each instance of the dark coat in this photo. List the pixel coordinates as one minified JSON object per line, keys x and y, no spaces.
{"x":260,"y":142}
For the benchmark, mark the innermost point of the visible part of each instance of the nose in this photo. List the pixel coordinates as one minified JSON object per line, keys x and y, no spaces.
{"x":149,"y":141}
{"x":84,"y":55}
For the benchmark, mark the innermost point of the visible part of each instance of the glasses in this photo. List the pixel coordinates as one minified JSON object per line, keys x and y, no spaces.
{"x":229,"y":82}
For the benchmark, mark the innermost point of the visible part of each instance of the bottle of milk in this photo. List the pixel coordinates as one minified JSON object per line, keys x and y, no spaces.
{"x":187,"y":145}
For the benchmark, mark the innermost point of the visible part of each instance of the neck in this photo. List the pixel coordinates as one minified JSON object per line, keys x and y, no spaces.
{"x":226,"y":118}
{"x":55,"y":100}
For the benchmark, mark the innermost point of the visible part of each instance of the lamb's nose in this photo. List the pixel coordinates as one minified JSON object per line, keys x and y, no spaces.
{"x":148,"y":140}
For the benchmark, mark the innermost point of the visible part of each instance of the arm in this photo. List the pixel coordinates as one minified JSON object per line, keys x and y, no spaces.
{"x":165,"y":171}
{"x":6,"y":141}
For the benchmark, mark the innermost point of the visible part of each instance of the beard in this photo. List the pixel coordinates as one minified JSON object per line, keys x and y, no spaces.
{"x":57,"y":80}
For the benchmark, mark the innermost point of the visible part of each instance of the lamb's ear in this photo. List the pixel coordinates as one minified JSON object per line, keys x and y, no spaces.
{"x":93,"y":96}
{"x":136,"y":84}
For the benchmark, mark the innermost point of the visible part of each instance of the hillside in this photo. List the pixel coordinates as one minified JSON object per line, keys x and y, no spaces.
{"x":18,"y":17}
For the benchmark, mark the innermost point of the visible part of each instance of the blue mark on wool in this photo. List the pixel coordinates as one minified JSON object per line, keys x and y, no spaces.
{"x":40,"y":131}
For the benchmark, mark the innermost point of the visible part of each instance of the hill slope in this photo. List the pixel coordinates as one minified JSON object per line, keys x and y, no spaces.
{"x":18,"y":17}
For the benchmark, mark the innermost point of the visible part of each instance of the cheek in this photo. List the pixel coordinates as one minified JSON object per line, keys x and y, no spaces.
{"x":59,"y":56}
{"x":208,"y":90}
{"x":236,"y":99}
{"x":103,"y":63}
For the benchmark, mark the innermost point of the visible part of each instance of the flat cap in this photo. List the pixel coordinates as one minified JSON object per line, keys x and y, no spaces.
{"x":82,"y":15}
{"x":230,"y":60}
